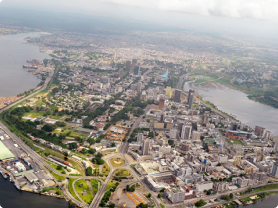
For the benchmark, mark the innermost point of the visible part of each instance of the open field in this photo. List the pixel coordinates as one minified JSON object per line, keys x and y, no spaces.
{"x":117,"y":162}
{"x":84,"y":192}
{"x":105,"y":169}
{"x":234,"y":141}
{"x":122,"y":173}
{"x":70,"y":188}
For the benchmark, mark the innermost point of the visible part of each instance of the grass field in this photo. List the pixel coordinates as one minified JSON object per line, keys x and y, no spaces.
{"x":257,"y":197}
{"x":70,"y":188}
{"x":55,"y":167}
{"x":117,"y":162}
{"x":59,"y":178}
{"x":105,"y":169}
{"x":81,"y":186}
{"x":122,"y":172}
{"x":109,"y":185}
{"x":234,"y":141}
{"x":94,"y":183}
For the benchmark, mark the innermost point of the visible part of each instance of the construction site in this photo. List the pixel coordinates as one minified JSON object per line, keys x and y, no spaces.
{"x":117,"y":132}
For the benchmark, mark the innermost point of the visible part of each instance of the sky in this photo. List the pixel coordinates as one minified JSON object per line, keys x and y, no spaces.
{"x":257,"y":17}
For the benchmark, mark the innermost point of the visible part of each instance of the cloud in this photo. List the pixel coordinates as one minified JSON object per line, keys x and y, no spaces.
{"x":255,"y":9}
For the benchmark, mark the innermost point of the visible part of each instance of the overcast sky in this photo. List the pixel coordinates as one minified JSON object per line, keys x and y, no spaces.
{"x":255,"y":16}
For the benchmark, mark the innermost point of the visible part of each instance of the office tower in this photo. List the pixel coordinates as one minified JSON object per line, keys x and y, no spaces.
{"x":139,"y":86}
{"x":162,"y":117}
{"x":134,"y":62}
{"x":260,"y":131}
{"x":136,"y":70}
{"x":146,"y":146}
{"x":194,"y":126}
{"x":267,"y":135}
{"x":185,"y":132}
{"x":169,"y":91}
{"x":234,"y":126}
{"x":196,"y":135}
{"x":274,"y":171}
{"x":140,"y":137}
{"x":177,"y":96}
{"x":184,"y":147}
{"x":127,"y":65}
{"x":204,"y":119}
{"x":173,"y":133}
{"x":190,"y":98}
{"x":161,"y":103}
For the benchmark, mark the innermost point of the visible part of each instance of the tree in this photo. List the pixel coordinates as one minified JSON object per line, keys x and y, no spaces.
{"x":59,"y":167}
{"x":113,"y":144}
{"x":170,"y":142}
{"x":92,"y":151}
{"x":89,"y":171}
{"x":200,"y":203}
{"x":73,"y":145}
{"x":149,"y":195}
{"x":99,"y":155}
{"x":231,"y":195}
{"x":48,"y":128}
{"x":159,"y":195}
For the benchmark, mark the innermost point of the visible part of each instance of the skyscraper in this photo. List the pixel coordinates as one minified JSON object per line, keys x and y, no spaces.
{"x":140,"y":137}
{"x":134,"y":62}
{"x":204,"y":119}
{"x":139,"y":86}
{"x":146,"y":147}
{"x":185,"y":132}
{"x":274,"y":170}
{"x":161,"y":103}
{"x":190,"y":98}
{"x":196,"y":135}
{"x":127,"y":65}
{"x":177,"y":96}
{"x":136,"y":70}
{"x":169,"y":91}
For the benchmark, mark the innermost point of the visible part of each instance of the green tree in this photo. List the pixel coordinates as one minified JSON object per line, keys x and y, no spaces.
{"x":89,"y":171}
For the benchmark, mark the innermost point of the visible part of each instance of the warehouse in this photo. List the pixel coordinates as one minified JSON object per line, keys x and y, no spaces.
{"x":5,"y":153}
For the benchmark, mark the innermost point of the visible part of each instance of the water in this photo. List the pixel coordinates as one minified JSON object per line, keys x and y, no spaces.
{"x":13,"y":54}
{"x":11,"y":197}
{"x":237,"y":103}
{"x":271,"y":202}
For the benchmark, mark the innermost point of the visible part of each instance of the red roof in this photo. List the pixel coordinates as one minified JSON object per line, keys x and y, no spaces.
{"x":79,"y":148}
{"x":99,"y":125}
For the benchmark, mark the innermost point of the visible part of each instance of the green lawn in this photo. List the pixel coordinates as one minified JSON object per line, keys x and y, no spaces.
{"x":82,"y":185}
{"x":59,"y":178}
{"x":105,"y":169}
{"x":234,"y":141}
{"x":109,"y":185}
{"x":122,"y":172}
{"x":70,"y":188}
{"x":55,"y":167}
{"x":58,"y":191}
{"x":117,"y":162}
{"x":94,"y":183}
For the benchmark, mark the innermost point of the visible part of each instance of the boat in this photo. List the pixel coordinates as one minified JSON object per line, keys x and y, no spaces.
{"x":30,"y":67}
{"x":17,"y":187}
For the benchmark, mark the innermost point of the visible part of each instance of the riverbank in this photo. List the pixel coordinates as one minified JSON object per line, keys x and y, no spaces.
{"x":262,"y":95}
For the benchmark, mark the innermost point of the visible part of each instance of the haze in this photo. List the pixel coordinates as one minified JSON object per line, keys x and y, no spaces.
{"x":230,"y":17}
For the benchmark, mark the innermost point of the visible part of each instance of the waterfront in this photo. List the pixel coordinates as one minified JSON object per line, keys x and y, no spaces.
{"x":11,"y":197}
{"x":270,"y":202}
{"x":237,"y":103}
{"x":13,"y":54}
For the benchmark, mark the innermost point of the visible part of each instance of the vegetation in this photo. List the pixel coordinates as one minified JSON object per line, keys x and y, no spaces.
{"x":117,"y":162}
{"x":200,"y":203}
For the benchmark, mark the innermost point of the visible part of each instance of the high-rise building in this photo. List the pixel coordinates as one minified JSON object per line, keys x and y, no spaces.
{"x":177,"y":96}
{"x":194,"y":126}
{"x":127,"y":65}
{"x":139,"y":86}
{"x":173,"y":133}
{"x":274,"y":170}
{"x":185,"y":132}
{"x":267,"y":135}
{"x":204,"y":119}
{"x":161,"y":103}
{"x":162,"y":117}
{"x":146,"y":147}
{"x":134,"y":62}
{"x":169,"y":91}
{"x":136,"y":70}
{"x":140,"y":137}
{"x":234,"y":126}
{"x":196,"y":135}
{"x":260,"y":131}
{"x":190,"y":98}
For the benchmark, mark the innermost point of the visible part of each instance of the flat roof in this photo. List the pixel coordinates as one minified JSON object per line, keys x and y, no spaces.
{"x":5,"y":153}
